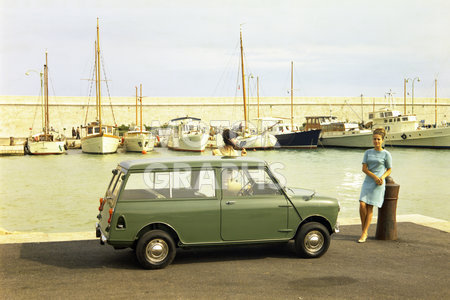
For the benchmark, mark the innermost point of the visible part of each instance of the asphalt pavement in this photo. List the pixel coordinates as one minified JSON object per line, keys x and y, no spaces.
{"x":416,"y":266}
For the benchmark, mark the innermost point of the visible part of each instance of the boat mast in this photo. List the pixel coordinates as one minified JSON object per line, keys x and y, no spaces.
{"x":136,"y":105}
{"x":257,"y":92}
{"x":243,"y":83}
{"x":46,"y":96}
{"x":405,"y":81}
{"x":141,"y":107}
{"x":96,"y":80}
{"x":99,"y":80}
{"x":292,"y":96}
{"x":435,"y":103}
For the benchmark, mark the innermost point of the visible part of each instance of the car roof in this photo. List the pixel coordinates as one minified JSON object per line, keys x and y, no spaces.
{"x":191,"y":161}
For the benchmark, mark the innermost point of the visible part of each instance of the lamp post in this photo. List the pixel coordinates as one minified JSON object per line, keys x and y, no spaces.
{"x":41,"y":76}
{"x":250,"y":76}
{"x":412,"y":95}
{"x":405,"y":81}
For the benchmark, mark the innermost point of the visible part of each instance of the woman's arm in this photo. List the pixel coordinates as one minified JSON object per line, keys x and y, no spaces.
{"x":366,"y":171}
{"x":386,"y":174}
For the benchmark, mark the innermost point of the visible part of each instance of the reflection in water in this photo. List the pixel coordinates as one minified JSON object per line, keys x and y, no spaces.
{"x":61,"y":193}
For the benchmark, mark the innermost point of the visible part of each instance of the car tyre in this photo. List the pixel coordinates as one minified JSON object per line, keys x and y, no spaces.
{"x":312,"y":240}
{"x":155,"y":249}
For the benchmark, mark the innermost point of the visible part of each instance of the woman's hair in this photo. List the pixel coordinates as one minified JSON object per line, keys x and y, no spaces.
{"x":227,"y":136}
{"x":380,"y":131}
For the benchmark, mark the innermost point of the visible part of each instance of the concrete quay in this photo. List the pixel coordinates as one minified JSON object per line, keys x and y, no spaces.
{"x":12,"y":150}
{"x":416,"y":266}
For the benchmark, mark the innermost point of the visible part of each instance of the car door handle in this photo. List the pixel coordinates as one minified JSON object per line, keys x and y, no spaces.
{"x":230,"y":202}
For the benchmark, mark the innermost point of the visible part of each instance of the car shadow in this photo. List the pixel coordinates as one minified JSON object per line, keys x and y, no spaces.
{"x":90,"y":254}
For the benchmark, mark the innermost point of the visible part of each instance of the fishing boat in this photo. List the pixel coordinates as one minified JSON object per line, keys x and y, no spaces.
{"x":336,"y":133}
{"x":48,"y":141}
{"x":187,"y":134}
{"x":137,"y":139}
{"x":99,"y":138}
{"x":289,"y":135}
{"x":259,"y":140}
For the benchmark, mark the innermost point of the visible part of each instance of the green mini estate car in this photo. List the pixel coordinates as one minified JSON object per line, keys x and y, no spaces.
{"x":157,"y":205}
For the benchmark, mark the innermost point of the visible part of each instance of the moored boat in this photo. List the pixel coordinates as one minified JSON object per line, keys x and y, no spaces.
{"x":187,"y":134}
{"x":137,"y":139}
{"x":405,"y":131}
{"x":99,"y":138}
{"x":259,"y":140}
{"x":337,"y":133}
{"x":289,"y":135}
{"x":49,"y":141}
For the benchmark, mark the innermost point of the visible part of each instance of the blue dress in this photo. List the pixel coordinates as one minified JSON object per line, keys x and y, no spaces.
{"x":377,"y":162}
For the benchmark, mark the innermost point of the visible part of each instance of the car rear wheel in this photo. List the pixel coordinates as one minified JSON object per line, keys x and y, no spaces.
{"x":312,"y":240}
{"x":155,"y":249}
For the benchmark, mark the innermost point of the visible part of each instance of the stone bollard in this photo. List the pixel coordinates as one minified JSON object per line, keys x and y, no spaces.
{"x":387,"y":218}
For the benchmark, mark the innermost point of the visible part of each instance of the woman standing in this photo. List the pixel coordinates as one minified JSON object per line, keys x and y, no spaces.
{"x":377,"y":165}
{"x":229,"y":139}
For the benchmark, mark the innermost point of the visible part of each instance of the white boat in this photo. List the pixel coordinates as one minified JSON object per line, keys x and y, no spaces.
{"x":52,"y":143}
{"x":187,"y":134}
{"x":258,"y":140}
{"x":98,"y":141}
{"x":137,"y":139}
{"x":262,"y":141}
{"x":405,"y":131}
{"x":49,"y":141}
{"x":99,"y":138}
{"x":336,"y":133}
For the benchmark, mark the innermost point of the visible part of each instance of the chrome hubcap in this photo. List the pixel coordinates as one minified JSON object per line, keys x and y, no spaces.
{"x":157,"y":250}
{"x":314,"y":241}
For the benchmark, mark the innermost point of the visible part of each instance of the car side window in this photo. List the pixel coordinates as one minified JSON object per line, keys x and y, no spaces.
{"x":177,"y":184}
{"x":112,"y":184}
{"x":233,"y":180}
{"x":247,"y":182}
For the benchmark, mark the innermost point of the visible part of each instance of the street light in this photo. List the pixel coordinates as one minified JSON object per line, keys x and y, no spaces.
{"x":412,"y":106}
{"x":41,"y":76}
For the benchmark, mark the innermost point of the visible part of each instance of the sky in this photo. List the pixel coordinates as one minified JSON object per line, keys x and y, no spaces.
{"x":191,"y":48}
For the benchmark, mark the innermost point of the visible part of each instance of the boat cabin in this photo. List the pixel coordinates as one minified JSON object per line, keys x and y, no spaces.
{"x":392,"y":120}
{"x":329,"y":123}
{"x":94,"y":128}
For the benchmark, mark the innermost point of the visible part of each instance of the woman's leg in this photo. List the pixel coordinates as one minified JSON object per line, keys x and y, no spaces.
{"x":366,"y":213}
{"x":362,"y":213}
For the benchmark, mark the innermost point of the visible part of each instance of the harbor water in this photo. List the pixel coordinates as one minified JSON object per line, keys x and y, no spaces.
{"x":61,"y":193}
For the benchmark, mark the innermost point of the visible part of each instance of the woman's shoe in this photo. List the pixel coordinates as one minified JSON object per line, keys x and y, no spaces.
{"x":363,"y":238}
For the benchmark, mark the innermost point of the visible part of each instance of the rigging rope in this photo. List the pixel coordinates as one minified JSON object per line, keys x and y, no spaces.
{"x":107,"y":88}
{"x":89,"y":95}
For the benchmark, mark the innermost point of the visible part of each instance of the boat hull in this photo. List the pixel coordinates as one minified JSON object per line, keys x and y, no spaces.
{"x":139,"y":142}
{"x":300,"y":139}
{"x":425,"y":138}
{"x":263,"y":141}
{"x":347,"y":139}
{"x":188,"y":142}
{"x":46,"y":147}
{"x":100,"y":144}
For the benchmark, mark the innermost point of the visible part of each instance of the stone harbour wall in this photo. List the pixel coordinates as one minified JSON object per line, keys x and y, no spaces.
{"x":19,"y":114}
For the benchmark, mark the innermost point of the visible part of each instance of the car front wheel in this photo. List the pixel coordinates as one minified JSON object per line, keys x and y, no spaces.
{"x":155,"y":249}
{"x":312,"y":240}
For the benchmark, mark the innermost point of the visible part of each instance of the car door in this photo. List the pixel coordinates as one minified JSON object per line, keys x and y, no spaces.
{"x":252,"y":206}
